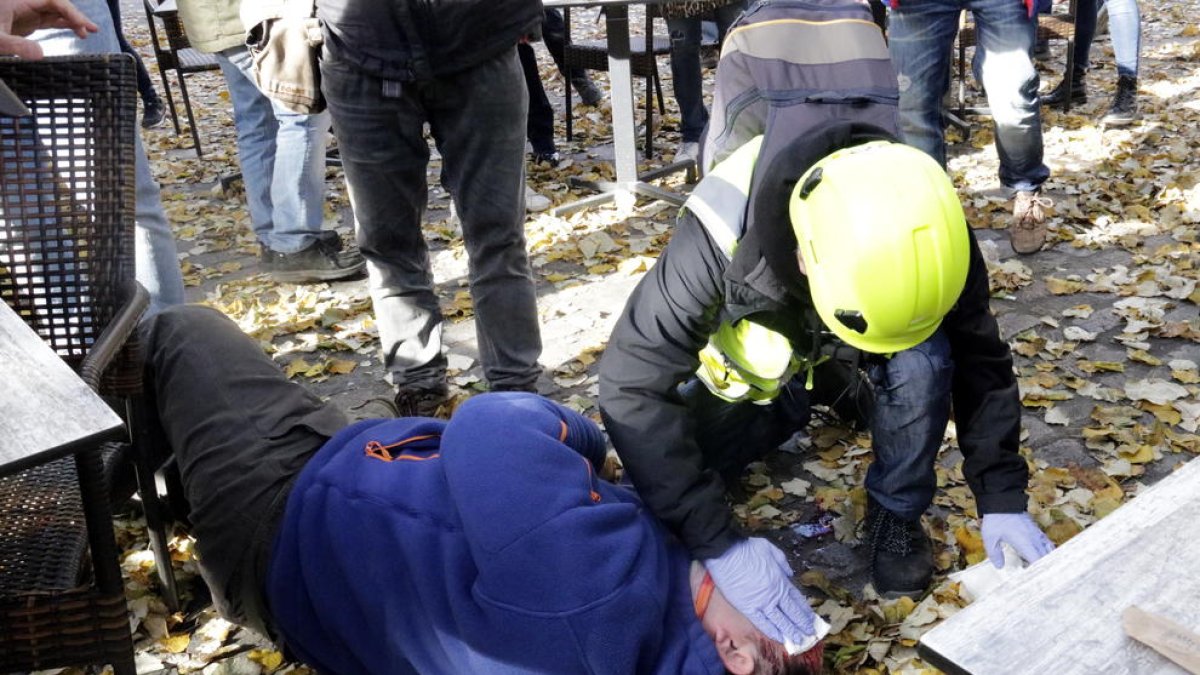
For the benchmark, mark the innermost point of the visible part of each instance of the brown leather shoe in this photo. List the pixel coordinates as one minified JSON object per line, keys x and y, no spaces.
{"x":1028,"y":229}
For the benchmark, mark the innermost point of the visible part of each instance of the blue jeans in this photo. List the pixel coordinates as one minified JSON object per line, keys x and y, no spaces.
{"x":282,"y":154}
{"x":686,"y":78}
{"x":912,"y":408}
{"x":477,"y":118}
{"x":157,"y":259}
{"x":1125,"y":27}
{"x":920,"y":36}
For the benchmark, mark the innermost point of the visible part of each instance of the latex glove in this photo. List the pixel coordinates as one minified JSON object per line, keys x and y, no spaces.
{"x":754,"y":576}
{"x":1018,"y":530}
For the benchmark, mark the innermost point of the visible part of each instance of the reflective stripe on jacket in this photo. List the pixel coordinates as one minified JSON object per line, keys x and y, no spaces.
{"x":742,"y":361}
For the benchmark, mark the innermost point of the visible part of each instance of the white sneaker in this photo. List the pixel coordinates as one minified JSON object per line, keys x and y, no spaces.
{"x":534,"y":202}
{"x":688,"y":150}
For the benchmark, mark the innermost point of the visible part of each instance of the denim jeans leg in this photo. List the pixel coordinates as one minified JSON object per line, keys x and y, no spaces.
{"x":478,"y":121}
{"x":912,"y":407}
{"x":298,"y":182}
{"x":1125,"y":27}
{"x":686,"y":78}
{"x":1006,"y":35}
{"x":256,"y":129}
{"x":157,"y":259}
{"x":285,"y":152}
{"x":385,"y":154}
{"x":920,"y":35}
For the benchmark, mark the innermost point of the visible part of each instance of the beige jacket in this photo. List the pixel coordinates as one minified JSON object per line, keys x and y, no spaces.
{"x":213,"y":25}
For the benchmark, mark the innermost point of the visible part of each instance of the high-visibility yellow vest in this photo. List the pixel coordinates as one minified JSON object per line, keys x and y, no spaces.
{"x":743,"y":361}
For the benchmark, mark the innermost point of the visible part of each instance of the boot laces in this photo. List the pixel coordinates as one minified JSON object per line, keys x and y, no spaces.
{"x":891,"y":534}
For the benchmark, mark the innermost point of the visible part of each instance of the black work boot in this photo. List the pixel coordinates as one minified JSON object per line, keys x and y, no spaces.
{"x":901,"y":554}
{"x":1124,"y":108}
{"x":323,"y":260}
{"x":418,"y":402}
{"x":1058,"y":95}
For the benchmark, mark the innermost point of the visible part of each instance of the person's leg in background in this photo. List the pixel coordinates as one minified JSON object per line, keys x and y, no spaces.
{"x":539,"y":126}
{"x":385,"y":154}
{"x":153,"y":109}
{"x":554,"y":35}
{"x":912,"y":408}
{"x":1125,"y":27}
{"x":157,"y":258}
{"x":1085,"y":32}
{"x":282,"y":155}
{"x":920,"y":34}
{"x":478,"y":121}
{"x":687,"y":82}
{"x":1006,"y":34}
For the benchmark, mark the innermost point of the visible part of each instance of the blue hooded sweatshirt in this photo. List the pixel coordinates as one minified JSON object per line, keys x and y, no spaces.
{"x":481,"y":545}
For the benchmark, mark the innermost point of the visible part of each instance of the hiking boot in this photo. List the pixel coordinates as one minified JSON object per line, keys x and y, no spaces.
{"x":901,"y":553}
{"x":1058,"y":95}
{"x":153,"y":113}
{"x":419,"y":402}
{"x":530,"y":388}
{"x":1028,"y":229}
{"x":1124,"y":108}
{"x":588,"y":92}
{"x":372,"y":409}
{"x":323,"y":260}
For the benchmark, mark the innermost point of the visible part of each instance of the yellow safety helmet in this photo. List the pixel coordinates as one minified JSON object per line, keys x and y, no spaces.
{"x":884,"y":242}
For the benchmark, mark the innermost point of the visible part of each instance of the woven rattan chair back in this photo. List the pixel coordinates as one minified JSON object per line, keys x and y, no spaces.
{"x":66,"y":267}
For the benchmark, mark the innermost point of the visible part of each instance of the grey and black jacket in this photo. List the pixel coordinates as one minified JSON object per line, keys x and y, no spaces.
{"x":419,"y":40}
{"x":678,"y":305}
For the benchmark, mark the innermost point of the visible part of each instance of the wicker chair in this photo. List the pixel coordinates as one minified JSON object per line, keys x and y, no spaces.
{"x":67,"y":268}
{"x":1050,"y":27}
{"x":643,"y":62}
{"x":176,"y":54}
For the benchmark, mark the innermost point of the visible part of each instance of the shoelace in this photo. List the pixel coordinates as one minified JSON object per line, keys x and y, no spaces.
{"x":891,"y":534}
{"x":1026,"y":219}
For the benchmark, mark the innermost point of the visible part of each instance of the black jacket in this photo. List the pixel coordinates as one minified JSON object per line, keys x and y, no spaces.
{"x":417,"y":40}
{"x":679,"y":304}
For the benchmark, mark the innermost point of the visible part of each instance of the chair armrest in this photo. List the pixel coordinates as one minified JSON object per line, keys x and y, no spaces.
{"x":115,"y":335}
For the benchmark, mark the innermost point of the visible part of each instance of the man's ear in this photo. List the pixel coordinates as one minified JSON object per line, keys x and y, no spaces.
{"x":738,"y":656}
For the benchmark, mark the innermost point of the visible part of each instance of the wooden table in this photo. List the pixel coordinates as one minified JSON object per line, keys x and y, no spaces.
{"x":629,"y":184}
{"x":46,"y":411}
{"x":1063,"y":614}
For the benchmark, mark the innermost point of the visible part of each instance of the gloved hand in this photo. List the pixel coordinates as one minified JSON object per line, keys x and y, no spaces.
{"x":1019,"y":530}
{"x":754,"y":576}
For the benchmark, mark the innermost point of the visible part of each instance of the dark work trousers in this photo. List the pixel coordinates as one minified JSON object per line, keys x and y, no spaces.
{"x":240,"y":433}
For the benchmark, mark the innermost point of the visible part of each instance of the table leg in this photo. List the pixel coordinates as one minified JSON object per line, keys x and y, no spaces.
{"x":628,"y":185}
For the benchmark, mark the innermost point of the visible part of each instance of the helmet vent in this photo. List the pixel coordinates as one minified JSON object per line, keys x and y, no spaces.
{"x":811,"y":183}
{"x":851,"y":319}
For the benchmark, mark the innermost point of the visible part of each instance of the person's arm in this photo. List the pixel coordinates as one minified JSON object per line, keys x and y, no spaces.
{"x":987,"y":407}
{"x":21,"y":17}
{"x":654,"y":347}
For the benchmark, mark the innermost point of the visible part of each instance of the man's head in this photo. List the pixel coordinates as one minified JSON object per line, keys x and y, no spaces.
{"x":882,"y":238}
{"x":744,"y":649}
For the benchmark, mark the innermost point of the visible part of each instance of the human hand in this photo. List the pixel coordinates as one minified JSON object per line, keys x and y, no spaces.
{"x":754,"y":576}
{"x":21,"y":17}
{"x":1019,"y":531}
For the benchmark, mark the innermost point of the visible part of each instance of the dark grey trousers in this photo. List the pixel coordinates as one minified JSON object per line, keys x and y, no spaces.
{"x":240,"y":433}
